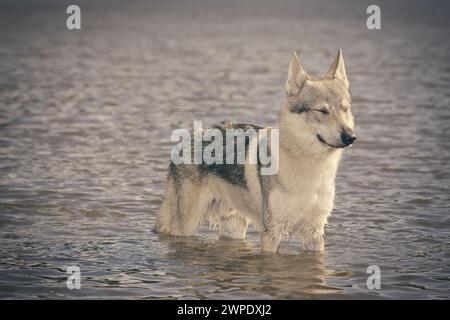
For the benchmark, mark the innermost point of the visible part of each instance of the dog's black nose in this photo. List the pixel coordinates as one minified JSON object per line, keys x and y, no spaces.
{"x":347,"y":139}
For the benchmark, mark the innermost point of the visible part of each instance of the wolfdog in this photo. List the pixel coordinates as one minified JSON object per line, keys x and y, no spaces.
{"x":315,"y":125}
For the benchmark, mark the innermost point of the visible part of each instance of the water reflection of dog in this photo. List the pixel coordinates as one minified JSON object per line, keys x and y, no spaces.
{"x":237,"y":270}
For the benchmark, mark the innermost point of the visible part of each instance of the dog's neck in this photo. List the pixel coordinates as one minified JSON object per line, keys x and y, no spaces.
{"x":295,"y":170}
{"x":308,"y":159}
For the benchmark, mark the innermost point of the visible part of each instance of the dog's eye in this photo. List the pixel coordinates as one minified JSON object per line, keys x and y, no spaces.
{"x":301,"y":108}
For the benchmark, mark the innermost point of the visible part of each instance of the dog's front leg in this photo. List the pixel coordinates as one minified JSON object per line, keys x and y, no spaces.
{"x":270,"y":238}
{"x":311,"y":239}
{"x":315,"y":244}
{"x":270,"y":242}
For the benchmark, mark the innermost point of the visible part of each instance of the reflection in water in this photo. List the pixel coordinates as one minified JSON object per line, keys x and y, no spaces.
{"x":236,"y":267}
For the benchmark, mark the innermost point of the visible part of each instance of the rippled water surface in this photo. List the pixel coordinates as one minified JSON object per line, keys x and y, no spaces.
{"x":85,"y":124}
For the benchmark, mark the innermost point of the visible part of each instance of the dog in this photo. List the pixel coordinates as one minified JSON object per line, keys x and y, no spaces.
{"x":315,"y":125}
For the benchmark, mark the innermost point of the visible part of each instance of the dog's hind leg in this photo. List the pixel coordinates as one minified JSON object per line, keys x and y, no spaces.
{"x":180,"y":211}
{"x":168,"y":209}
{"x":232,"y":226}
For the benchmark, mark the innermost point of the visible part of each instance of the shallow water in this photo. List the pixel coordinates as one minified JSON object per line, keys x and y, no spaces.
{"x":85,"y":124}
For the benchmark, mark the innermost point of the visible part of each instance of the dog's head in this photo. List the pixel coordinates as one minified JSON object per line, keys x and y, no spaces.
{"x":318,"y":112}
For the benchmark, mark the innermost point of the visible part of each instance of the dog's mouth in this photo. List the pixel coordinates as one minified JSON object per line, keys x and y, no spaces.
{"x":322,"y":140}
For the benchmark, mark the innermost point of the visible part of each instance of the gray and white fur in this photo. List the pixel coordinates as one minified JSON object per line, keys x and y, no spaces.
{"x":315,"y":125}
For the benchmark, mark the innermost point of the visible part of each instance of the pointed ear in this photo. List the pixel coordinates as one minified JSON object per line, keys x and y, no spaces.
{"x":337,"y":69}
{"x":297,"y":76}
